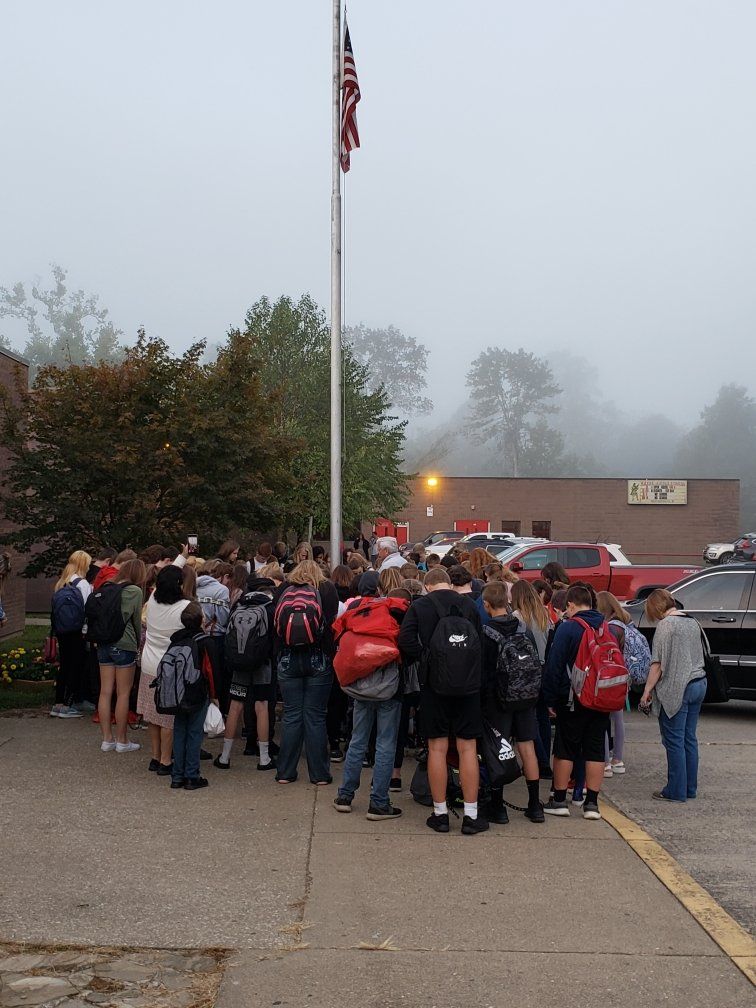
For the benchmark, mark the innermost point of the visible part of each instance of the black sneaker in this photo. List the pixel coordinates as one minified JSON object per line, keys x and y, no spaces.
{"x":395,"y":785}
{"x":472,"y":826}
{"x":270,"y":765}
{"x":439,"y":823}
{"x":367,"y":763}
{"x":251,"y":750}
{"x":498,"y":815}
{"x":154,"y":765}
{"x":176,"y":784}
{"x":535,"y":813}
{"x":336,"y":755}
{"x":375,"y":814}
{"x":195,"y":783}
{"x":204,"y":754}
{"x":218,"y":762}
{"x":342,"y":804}
{"x":163,"y":770}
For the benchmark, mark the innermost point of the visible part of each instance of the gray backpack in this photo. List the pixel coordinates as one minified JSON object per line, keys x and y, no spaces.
{"x":382,"y":684}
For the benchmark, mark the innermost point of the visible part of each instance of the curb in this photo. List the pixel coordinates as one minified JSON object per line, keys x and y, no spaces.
{"x":732,"y":938}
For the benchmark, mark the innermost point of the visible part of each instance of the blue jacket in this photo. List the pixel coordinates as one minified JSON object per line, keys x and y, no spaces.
{"x":555,"y":685}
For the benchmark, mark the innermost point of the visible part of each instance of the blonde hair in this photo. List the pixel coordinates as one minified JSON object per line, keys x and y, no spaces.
{"x":196,"y":562}
{"x":608,"y":605}
{"x":508,"y":575}
{"x":307,"y":572}
{"x":302,"y":547}
{"x":389,"y":579}
{"x":526,"y":601}
{"x":77,"y":566}
{"x":658,"y":603}
{"x":272,"y":571}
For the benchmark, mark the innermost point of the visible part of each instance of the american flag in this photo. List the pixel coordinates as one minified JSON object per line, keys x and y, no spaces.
{"x":350,"y":138}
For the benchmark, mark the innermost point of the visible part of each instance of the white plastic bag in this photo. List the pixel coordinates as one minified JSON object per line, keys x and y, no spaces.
{"x":214,"y":723}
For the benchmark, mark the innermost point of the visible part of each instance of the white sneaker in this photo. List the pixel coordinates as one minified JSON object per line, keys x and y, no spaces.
{"x":618,"y":768}
{"x":108,"y":746}
{"x":127,"y":746}
{"x":608,"y":772}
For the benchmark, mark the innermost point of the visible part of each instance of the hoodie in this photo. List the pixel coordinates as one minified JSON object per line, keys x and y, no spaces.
{"x":562,"y":654}
{"x":215,"y":601}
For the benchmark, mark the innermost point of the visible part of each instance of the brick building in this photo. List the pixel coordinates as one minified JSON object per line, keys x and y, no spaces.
{"x":687,"y":516}
{"x":12,"y":586}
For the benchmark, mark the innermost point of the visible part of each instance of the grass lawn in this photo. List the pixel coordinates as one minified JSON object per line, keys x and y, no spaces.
{"x":15,"y":697}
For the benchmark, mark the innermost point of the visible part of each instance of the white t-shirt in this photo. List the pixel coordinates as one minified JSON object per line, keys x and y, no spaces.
{"x":162,"y":622}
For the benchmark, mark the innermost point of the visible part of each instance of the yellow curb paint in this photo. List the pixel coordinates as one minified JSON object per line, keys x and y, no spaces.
{"x":733,"y":939}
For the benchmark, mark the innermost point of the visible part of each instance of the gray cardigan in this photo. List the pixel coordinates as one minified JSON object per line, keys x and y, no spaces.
{"x":679,"y":651}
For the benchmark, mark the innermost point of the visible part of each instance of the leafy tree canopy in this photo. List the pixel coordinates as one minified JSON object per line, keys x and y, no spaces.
{"x":395,"y":361}
{"x":62,"y":326}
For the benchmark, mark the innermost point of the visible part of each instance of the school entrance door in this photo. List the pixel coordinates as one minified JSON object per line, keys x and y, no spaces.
{"x":400,"y":530}
{"x":467,"y":526}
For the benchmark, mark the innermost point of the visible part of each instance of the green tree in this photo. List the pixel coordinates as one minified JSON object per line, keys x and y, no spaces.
{"x":135,"y":452}
{"x":395,"y":361}
{"x":291,"y":343}
{"x":722,"y":444}
{"x":511,"y":391}
{"x":62,"y":327}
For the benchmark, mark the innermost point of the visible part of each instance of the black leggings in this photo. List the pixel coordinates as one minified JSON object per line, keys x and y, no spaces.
{"x":73,"y":670}
{"x":409,"y":700}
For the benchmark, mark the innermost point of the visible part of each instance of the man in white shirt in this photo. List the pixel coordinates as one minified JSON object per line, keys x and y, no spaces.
{"x":388,"y":553}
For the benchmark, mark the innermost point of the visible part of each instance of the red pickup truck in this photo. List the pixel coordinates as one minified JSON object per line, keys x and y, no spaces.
{"x":604,"y":567}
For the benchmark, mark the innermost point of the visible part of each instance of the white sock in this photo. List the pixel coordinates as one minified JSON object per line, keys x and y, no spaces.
{"x":471,"y":809}
{"x":440,"y":808}
{"x":264,"y":755}
{"x":225,"y":756}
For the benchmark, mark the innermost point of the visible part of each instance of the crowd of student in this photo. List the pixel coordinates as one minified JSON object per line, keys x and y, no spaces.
{"x":364,"y":658}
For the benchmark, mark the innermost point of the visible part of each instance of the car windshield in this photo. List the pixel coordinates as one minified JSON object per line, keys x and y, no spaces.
{"x":505,"y":555}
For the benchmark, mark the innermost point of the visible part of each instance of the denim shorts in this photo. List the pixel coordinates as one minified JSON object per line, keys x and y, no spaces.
{"x":107,"y":654}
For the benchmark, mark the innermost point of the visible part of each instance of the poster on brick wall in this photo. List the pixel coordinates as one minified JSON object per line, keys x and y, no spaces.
{"x":657,"y":491}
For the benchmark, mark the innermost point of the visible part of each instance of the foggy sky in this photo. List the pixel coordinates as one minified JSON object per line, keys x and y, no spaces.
{"x":546,"y":174}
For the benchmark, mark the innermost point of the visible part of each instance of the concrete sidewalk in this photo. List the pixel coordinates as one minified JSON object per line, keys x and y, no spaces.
{"x":95,"y":849}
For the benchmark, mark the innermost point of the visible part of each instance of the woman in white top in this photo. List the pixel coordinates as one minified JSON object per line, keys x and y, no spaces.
{"x":70,"y":682}
{"x":162,"y":618}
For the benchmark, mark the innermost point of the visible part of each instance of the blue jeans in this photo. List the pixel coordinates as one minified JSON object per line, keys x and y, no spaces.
{"x":387,"y":714}
{"x":678,"y":735}
{"x":188,"y":730}
{"x":304,"y":678}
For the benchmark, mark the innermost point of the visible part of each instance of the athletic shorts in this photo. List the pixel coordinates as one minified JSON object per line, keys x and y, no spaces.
{"x":246,"y":685}
{"x":524,"y":723}
{"x":580,"y":734}
{"x":445,"y":716}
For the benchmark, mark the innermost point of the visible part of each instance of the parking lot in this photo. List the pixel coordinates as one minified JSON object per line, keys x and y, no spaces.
{"x":711,"y":837}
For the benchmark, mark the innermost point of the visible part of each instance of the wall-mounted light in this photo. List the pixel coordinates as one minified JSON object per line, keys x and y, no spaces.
{"x":432,"y":481}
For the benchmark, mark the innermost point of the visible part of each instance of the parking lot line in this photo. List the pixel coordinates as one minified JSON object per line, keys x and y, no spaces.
{"x":733,"y":939}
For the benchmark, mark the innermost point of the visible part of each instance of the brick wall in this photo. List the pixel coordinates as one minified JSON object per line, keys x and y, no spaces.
{"x":583,"y":509}
{"x":12,"y":588}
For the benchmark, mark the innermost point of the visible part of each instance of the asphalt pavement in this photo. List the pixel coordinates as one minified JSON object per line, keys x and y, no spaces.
{"x":323,"y":909}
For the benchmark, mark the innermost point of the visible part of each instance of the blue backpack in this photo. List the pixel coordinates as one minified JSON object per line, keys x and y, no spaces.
{"x":67,"y":612}
{"x":637,"y":653}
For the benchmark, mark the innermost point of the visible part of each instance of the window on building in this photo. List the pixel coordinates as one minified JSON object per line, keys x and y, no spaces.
{"x":513,"y":527}
{"x":541,"y":529}
{"x":576,"y":557}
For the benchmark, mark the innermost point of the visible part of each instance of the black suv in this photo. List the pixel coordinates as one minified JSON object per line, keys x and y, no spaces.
{"x":745,"y":548}
{"x":723,"y":600}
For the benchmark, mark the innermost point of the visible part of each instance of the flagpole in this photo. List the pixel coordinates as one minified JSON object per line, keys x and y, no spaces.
{"x":336,"y":292}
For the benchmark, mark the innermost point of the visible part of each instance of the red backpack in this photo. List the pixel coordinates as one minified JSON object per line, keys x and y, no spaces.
{"x":366,"y":634}
{"x":599,"y":676}
{"x":298,"y":618}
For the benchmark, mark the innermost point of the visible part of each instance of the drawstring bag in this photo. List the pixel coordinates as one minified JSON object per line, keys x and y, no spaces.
{"x":214,"y":723}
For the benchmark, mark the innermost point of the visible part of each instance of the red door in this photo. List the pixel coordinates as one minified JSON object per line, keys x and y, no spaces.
{"x":384,"y":528}
{"x":402,"y":532}
{"x":467,"y":526}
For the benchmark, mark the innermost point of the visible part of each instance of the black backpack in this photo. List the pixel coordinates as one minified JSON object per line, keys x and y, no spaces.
{"x":517,"y":681}
{"x":105,"y":622}
{"x":453,"y":659}
{"x":248,"y":644}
